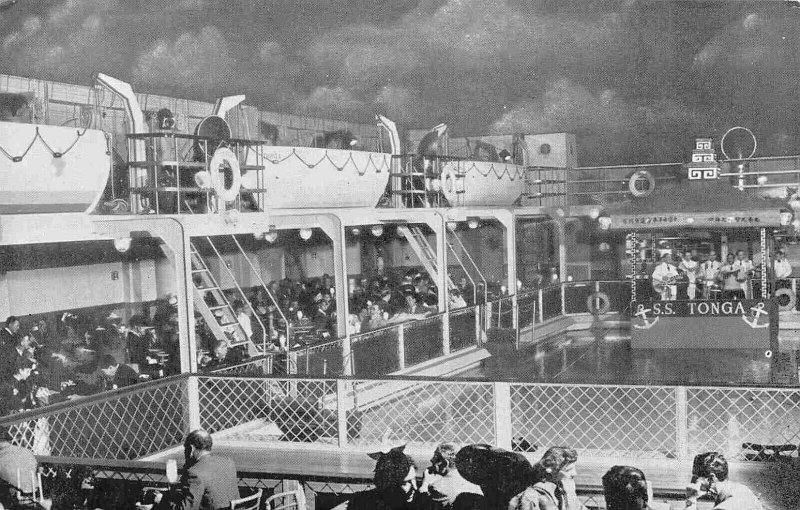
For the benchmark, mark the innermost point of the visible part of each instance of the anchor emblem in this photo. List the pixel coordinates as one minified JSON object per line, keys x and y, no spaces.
{"x":758,"y":311}
{"x":642,"y":314}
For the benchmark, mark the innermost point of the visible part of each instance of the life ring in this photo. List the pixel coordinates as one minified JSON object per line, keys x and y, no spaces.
{"x":224,"y":156}
{"x":603,"y":307}
{"x":792,"y":299}
{"x":636,"y":178}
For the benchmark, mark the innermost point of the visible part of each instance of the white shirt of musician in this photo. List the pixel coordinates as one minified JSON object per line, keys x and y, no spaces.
{"x":663,"y":272}
{"x":690,"y":267}
{"x":710,"y":270}
{"x":744,"y":265}
{"x":783,"y":269}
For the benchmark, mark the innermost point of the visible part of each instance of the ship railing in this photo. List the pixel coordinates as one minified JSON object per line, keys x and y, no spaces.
{"x":174,"y":169}
{"x":599,"y":420}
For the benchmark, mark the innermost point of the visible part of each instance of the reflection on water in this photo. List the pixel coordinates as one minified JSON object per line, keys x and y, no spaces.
{"x":606,"y":356}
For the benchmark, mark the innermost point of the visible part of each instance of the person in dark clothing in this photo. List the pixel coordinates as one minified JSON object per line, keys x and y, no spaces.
{"x":395,"y":485}
{"x":500,"y":474}
{"x":114,"y":374}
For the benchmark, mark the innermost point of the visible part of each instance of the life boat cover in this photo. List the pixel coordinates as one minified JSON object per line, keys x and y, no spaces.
{"x":50,"y":169}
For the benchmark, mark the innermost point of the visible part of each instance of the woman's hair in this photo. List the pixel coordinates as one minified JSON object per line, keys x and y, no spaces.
{"x":391,"y":468}
{"x":625,"y":488}
{"x":553,"y":461}
{"x":710,"y":463}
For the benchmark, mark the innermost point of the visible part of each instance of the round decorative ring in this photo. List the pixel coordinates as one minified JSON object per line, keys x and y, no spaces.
{"x":768,"y":354}
{"x":789,"y":294}
{"x":225,"y":157}
{"x":722,"y":142}
{"x":636,"y":178}
{"x":598,"y":309}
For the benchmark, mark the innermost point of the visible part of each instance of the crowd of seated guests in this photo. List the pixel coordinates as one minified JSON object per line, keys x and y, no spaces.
{"x":52,"y":358}
{"x":481,"y":477}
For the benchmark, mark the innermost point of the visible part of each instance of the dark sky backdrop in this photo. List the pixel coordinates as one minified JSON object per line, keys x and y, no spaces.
{"x":636,"y":80}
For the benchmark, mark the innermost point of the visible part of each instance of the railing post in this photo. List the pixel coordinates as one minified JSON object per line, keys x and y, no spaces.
{"x":348,"y":368}
{"x":192,"y":403}
{"x":488,"y":318}
{"x":446,"y":333}
{"x":563,"y":298}
{"x":478,"y":335}
{"x":514,"y":312}
{"x":681,"y":424}
{"x":502,"y":415}
{"x":341,"y":412}
{"x":541,"y":305}
{"x":401,"y":347}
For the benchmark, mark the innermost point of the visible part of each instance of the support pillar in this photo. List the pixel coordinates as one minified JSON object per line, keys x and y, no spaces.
{"x":439,"y":227}
{"x":333,"y":227}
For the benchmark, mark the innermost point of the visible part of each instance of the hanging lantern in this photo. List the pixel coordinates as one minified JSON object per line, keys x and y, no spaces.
{"x":271,"y":236}
{"x":305,"y":234}
{"x":377,"y":230}
{"x":122,"y":244}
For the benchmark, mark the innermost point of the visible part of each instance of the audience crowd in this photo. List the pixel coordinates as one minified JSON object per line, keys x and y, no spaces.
{"x":475,"y":477}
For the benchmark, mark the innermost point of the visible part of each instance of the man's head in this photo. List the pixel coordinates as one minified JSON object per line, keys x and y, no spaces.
{"x":444,"y":458}
{"x":731,"y":258}
{"x":625,"y":488}
{"x":708,"y":470}
{"x":395,"y":470}
{"x":108,"y":365}
{"x":712,"y":255}
{"x":687,"y":254}
{"x":779,"y":254}
{"x":12,"y":323}
{"x":666,"y":258}
{"x":741,"y":255}
{"x":197,"y":444}
{"x":558,"y":463}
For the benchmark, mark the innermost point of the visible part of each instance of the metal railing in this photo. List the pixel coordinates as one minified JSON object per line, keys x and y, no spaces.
{"x":605,"y":421}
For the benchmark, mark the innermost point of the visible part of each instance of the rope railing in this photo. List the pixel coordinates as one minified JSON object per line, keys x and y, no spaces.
{"x":384,"y":161}
{"x":55,"y":153}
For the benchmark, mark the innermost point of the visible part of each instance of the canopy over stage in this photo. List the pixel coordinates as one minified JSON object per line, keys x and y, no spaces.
{"x":689,"y":204}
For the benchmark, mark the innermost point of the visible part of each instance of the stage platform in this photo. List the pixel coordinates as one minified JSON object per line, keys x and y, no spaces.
{"x":777,"y":482}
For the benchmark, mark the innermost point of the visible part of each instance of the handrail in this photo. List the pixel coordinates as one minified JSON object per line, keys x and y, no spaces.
{"x":477,"y":269}
{"x":263,"y":286}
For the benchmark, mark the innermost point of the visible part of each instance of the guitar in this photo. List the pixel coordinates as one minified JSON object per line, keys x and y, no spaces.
{"x":659,"y":285}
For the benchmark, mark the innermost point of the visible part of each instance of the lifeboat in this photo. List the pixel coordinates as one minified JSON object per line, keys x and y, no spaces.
{"x":51,"y":169}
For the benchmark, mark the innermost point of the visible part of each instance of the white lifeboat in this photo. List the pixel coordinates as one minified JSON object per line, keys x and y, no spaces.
{"x":51,"y":169}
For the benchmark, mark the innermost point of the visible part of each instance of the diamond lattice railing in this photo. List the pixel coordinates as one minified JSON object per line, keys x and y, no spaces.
{"x":630,"y":421}
{"x":130,"y":425}
{"x":422,"y":412}
{"x":249,"y":406}
{"x":722,"y":419}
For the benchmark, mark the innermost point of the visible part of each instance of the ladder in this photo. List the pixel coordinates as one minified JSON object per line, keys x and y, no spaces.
{"x":427,"y":256}
{"x":213,"y":305}
{"x":473,"y":274}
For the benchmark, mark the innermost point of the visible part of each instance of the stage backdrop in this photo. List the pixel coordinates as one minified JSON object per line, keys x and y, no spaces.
{"x":747,"y":324}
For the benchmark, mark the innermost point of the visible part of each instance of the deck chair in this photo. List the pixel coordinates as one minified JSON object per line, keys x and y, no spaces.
{"x":290,"y":500}
{"x":34,"y":500}
{"x":249,"y":503}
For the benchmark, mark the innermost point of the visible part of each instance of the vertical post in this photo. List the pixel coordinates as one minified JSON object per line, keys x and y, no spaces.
{"x":341,"y":412}
{"x":515,"y":319}
{"x":401,"y":347}
{"x":502,"y":415}
{"x":478,"y":325}
{"x":333,"y":227}
{"x":192,"y":403}
{"x":541,"y":305}
{"x":533,"y":322}
{"x":488,"y":313}
{"x":681,"y":424}
{"x":445,"y":333}
{"x":563,"y":286}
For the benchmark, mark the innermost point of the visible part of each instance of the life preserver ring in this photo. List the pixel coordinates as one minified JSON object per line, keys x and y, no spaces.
{"x":792,"y":299}
{"x":598,"y":309}
{"x":224,"y":156}
{"x":638,"y":176}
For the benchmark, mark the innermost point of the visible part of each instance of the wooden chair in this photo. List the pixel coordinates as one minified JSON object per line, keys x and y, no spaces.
{"x":290,"y":500}
{"x":249,"y":503}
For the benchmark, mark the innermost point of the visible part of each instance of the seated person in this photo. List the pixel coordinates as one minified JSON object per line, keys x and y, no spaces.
{"x":710,"y":477}
{"x":626,"y":488}
{"x":108,"y":374}
{"x":395,"y":485}
{"x":18,"y":391}
{"x":456,"y":300}
{"x":499,"y":473}
{"x":445,"y":485}
{"x":554,"y":488}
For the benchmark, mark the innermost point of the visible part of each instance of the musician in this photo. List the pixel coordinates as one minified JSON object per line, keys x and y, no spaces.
{"x":746,"y":270}
{"x":783,"y":270}
{"x":731,"y":279}
{"x":691,"y":268}
{"x":664,"y":277}
{"x":709,"y":272}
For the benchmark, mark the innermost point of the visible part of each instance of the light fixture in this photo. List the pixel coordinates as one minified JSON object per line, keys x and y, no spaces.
{"x":377,"y":230}
{"x":604,"y":221}
{"x":762,"y":179}
{"x":258,"y":236}
{"x":356,"y":231}
{"x":786,"y":217}
{"x":594,"y":213}
{"x":271,"y":236}
{"x":452,"y":225}
{"x":689,"y":220}
{"x":604,"y":247}
{"x":122,"y":244}
{"x":305,"y":234}
{"x":505,"y":156}
{"x":472,"y":223}
{"x":353,"y":142}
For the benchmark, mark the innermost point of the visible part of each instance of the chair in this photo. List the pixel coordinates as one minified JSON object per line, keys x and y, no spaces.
{"x":296,"y":501}
{"x":249,"y":503}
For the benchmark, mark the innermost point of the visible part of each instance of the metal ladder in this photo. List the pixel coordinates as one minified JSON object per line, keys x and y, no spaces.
{"x":475,"y":276}
{"x":218,"y":313}
{"x":427,"y":256}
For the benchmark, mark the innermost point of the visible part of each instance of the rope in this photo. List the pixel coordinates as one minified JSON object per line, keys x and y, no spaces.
{"x":516,"y":174}
{"x":326,"y":157}
{"x":38,"y":135}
